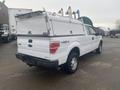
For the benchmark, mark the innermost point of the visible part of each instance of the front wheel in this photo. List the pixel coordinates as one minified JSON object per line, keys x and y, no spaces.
{"x":99,"y":49}
{"x":72,"y":63}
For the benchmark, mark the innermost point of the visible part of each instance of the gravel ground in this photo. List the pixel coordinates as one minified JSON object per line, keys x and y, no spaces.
{"x":96,"y":72}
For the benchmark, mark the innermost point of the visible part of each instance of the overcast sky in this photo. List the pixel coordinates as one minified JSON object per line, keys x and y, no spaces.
{"x":102,"y":12}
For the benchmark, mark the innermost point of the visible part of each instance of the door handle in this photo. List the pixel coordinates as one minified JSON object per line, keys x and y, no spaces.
{"x":93,"y":38}
{"x":30,"y":40}
{"x":29,"y":45}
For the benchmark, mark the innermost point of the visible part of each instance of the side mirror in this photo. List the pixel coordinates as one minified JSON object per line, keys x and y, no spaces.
{"x":96,"y":34}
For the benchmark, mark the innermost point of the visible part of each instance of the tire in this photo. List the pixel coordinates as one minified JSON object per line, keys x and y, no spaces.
{"x":15,"y":38}
{"x":72,"y":63}
{"x":7,"y":40}
{"x":29,"y":65}
{"x":99,"y":49}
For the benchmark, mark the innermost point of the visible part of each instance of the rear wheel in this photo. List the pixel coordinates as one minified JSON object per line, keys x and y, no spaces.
{"x":7,"y":39}
{"x":72,"y":63}
{"x":15,"y":38}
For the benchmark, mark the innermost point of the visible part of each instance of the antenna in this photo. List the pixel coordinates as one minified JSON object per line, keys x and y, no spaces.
{"x":3,"y":1}
{"x":78,"y":12}
{"x":74,"y":13}
{"x":69,"y":11}
{"x":61,"y":11}
{"x":43,"y":9}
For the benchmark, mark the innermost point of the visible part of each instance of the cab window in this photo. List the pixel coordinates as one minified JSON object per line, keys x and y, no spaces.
{"x":89,"y":30}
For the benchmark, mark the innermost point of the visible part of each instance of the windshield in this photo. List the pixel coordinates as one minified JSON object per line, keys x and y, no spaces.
{"x":1,"y":27}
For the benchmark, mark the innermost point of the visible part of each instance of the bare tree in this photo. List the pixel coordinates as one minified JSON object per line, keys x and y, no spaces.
{"x":118,"y":24}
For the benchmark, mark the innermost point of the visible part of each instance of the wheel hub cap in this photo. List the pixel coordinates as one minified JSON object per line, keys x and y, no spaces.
{"x":74,"y":63}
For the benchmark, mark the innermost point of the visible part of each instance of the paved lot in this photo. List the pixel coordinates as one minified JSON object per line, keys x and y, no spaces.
{"x":96,"y":72}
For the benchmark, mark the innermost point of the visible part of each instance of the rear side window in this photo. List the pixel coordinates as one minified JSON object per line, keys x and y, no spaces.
{"x":67,"y":28}
{"x":34,"y":25}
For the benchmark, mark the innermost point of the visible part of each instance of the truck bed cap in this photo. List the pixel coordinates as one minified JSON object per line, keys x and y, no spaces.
{"x":50,"y":15}
{"x":28,"y":15}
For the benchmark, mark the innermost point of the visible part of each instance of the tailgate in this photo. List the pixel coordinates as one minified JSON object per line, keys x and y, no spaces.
{"x":34,"y":46}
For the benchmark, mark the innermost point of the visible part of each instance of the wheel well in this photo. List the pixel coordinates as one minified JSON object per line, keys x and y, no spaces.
{"x":75,"y":49}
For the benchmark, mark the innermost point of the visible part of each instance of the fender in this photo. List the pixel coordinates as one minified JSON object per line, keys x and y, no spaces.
{"x":100,"y":40}
{"x":71,"y":46}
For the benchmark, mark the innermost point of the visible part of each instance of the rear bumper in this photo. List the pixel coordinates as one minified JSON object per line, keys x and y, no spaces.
{"x":34,"y":61}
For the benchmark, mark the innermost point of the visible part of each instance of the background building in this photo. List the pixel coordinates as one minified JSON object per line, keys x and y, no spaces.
{"x":4,"y":18}
{"x":102,"y":31}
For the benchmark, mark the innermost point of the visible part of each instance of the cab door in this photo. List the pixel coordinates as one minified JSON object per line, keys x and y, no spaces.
{"x":93,"y":38}
{"x":89,"y":39}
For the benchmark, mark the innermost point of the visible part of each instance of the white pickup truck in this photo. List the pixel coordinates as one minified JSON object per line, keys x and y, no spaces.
{"x":53,"y":41}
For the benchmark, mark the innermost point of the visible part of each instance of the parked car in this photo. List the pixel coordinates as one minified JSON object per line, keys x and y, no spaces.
{"x":54,"y":41}
{"x":8,"y":28}
{"x":117,"y":35}
{"x":114,"y":33}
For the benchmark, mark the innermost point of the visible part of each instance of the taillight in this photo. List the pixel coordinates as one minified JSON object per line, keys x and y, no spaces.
{"x":54,"y":47}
